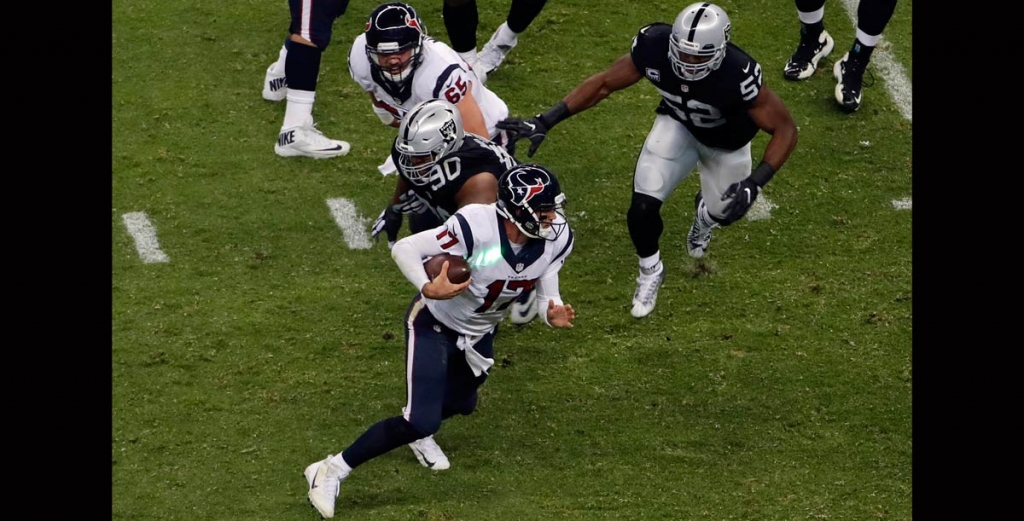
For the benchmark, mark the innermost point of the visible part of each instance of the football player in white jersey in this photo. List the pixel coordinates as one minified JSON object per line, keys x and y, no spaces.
{"x":399,"y":66}
{"x":441,"y":169}
{"x":521,"y":240}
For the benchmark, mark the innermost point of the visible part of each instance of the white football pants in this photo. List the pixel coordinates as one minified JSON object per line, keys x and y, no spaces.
{"x":671,"y":152}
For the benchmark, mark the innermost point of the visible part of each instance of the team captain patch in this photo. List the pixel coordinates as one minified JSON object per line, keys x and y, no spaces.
{"x":654,"y":74}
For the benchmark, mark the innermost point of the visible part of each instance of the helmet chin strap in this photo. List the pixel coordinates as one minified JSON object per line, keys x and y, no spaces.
{"x":507,"y":214}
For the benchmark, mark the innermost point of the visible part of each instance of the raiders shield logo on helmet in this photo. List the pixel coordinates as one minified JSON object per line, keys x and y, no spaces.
{"x":448,"y":131}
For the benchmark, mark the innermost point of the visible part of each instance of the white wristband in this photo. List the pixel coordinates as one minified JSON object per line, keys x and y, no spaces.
{"x":386,"y":117}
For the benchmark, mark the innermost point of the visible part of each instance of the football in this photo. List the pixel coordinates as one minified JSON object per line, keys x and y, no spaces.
{"x":458,"y":268}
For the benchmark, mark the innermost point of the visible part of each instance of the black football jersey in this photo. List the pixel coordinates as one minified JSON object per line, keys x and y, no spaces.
{"x":451,"y":171}
{"x":713,"y":108}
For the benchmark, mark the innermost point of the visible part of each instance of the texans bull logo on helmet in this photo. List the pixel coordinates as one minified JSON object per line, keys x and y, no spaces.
{"x":526,"y":193}
{"x":526,"y":184}
{"x":405,"y":16}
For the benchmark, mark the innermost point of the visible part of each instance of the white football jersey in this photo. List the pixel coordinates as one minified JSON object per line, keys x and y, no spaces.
{"x":499,"y":274}
{"x":441,"y":74}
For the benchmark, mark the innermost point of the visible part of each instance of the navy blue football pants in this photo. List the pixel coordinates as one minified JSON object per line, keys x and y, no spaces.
{"x":439,"y":384}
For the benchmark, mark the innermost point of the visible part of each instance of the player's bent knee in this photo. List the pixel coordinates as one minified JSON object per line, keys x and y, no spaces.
{"x":402,"y":430}
{"x":425,"y":426}
{"x":320,"y":40}
{"x":653,"y":171}
{"x":643,"y":206}
{"x":464,"y":407}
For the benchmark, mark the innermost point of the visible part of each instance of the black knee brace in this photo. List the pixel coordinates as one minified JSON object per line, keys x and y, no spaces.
{"x":645,"y":225}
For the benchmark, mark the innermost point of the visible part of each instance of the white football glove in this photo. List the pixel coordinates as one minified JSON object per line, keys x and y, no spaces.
{"x":411,"y":203}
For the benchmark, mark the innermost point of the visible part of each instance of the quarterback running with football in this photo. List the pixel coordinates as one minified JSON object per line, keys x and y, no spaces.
{"x":713,"y":102}
{"x":441,"y":169}
{"x":520,"y":241}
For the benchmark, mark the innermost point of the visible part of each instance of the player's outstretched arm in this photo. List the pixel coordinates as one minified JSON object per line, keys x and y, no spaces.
{"x":560,"y":316}
{"x":556,"y":312}
{"x":618,"y":76}
{"x":621,"y":74}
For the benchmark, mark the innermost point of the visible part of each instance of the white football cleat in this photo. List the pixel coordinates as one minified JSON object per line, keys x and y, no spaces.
{"x":307,"y":140}
{"x":697,"y":240}
{"x":524,"y":312}
{"x":646,"y":293}
{"x":324,"y":478}
{"x":430,"y":454}
{"x":494,"y":53}
{"x":275,"y":87}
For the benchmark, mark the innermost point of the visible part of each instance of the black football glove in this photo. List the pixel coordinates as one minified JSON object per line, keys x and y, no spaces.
{"x":743,"y":195}
{"x":533,"y":129}
{"x":390,"y":221}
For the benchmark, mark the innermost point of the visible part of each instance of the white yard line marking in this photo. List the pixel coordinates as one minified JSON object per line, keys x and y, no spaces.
{"x":353,"y":227}
{"x":761,"y":209}
{"x":896,"y":81}
{"x":903,"y":204}
{"x":142,"y":231}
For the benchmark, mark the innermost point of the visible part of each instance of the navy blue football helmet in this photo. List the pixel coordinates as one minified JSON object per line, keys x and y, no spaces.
{"x":394,"y":28}
{"x":524,"y":192}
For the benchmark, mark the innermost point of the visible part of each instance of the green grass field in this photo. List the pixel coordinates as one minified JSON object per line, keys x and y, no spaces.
{"x":772,"y":382}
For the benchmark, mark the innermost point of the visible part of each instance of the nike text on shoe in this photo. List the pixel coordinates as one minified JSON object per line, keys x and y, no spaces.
{"x":493,"y":54}
{"x":275,"y":88}
{"x":324,"y":478}
{"x":524,"y":309}
{"x":804,"y":61}
{"x":429,"y":454}
{"x":850,"y":77}
{"x":646,"y":293}
{"x":307,"y":140}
